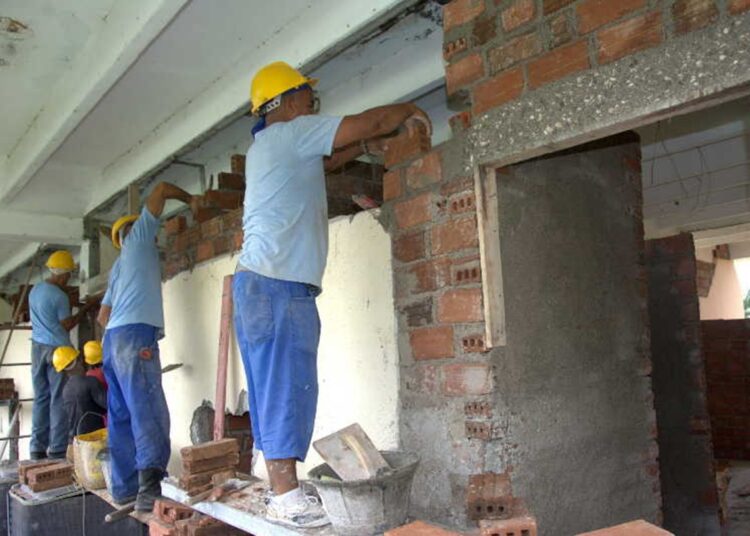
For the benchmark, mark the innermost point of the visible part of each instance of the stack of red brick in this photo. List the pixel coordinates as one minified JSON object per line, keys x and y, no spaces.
{"x":174,"y":519}
{"x":7,"y":388}
{"x":45,"y":475}
{"x":217,"y":224}
{"x":497,"y":50}
{"x":207,"y":464}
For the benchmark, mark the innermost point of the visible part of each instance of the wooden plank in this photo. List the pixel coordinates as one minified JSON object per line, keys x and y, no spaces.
{"x":351,"y":454}
{"x":490,"y":259}
{"x":225,"y":323}
{"x":209,"y":450}
{"x":230,"y":460}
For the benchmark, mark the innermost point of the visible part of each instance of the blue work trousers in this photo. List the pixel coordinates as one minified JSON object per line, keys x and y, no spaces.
{"x":49,"y":420}
{"x":137,"y":413}
{"x":278,"y":331}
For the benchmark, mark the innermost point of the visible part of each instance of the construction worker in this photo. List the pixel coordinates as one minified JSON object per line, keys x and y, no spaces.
{"x":283,"y":257}
{"x":92,"y":355}
{"x":132,"y":313}
{"x":51,"y":320}
{"x":84,"y":397}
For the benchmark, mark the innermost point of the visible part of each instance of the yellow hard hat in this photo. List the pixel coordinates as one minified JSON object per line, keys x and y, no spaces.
{"x":92,"y":352}
{"x":118,"y":225}
{"x":61,"y":260}
{"x":273,"y":80}
{"x":63,"y":357}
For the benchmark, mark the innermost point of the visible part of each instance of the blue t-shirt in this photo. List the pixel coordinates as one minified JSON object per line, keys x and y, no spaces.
{"x":134,"y":289}
{"x":49,"y":305}
{"x":286,"y":210}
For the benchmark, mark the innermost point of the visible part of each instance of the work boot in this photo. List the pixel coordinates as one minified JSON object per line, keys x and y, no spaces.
{"x":57,"y":455}
{"x":37,"y":455}
{"x":149,"y":489}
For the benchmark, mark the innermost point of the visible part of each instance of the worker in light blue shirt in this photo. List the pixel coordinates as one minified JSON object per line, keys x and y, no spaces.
{"x":51,"y":320}
{"x":281,"y":266}
{"x":132,"y":313}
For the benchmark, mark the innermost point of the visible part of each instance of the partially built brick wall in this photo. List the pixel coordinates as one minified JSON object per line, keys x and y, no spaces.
{"x":499,"y":50}
{"x":726,"y":344}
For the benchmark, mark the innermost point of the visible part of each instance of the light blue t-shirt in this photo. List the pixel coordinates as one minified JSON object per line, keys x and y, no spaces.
{"x":134,"y":289}
{"x":49,"y":305}
{"x":286,"y":210}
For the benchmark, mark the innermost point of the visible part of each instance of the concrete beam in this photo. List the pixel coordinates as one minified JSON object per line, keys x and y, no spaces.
{"x":131,"y":26}
{"x":28,"y":227}
{"x":307,"y":40}
{"x":22,"y":256}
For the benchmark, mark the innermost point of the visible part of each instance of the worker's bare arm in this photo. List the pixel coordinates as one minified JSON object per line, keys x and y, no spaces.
{"x":75,"y":319}
{"x":162,"y":192}
{"x":103,"y":317}
{"x":342,"y":156}
{"x":376,"y":122}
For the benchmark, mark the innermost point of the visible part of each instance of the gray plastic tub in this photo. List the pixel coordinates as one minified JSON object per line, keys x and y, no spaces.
{"x":367,"y":507}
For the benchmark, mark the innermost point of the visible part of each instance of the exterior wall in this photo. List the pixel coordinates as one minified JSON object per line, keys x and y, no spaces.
{"x":679,"y":381}
{"x":727,"y":347}
{"x":725,"y":298}
{"x":358,"y":368}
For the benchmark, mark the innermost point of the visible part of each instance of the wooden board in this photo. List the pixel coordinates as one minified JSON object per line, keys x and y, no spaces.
{"x":351,"y":454}
{"x":490,"y":259}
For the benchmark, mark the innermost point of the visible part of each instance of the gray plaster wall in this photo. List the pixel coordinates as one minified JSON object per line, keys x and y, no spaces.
{"x":571,"y":395}
{"x":686,"y":454}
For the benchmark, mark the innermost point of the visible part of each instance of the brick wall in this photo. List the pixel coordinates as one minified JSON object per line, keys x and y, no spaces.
{"x":498,"y":50}
{"x":679,"y":380}
{"x":726,"y":344}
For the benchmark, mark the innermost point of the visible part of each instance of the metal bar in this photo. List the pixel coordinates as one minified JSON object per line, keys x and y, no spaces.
{"x":16,"y":364}
{"x":8,"y":438}
{"x":3,"y":327}
{"x":19,"y":305}
{"x":221,"y":368}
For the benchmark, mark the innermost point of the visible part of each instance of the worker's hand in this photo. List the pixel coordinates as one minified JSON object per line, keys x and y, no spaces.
{"x":419,"y":119}
{"x":196,"y":202}
{"x":376,"y":146}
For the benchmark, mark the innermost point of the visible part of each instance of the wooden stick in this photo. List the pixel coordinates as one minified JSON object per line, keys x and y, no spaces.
{"x":221,"y":369}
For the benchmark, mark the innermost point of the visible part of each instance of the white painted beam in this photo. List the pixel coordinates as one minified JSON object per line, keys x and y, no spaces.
{"x":131,"y":26}
{"x":28,"y":227}
{"x":24,"y":254}
{"x":318,"y":29}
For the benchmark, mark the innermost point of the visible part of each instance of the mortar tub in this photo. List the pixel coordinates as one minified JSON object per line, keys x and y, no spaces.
{"x":367,"y":507}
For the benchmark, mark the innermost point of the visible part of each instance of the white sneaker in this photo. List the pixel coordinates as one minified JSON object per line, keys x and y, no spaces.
{"x":305,"y":513}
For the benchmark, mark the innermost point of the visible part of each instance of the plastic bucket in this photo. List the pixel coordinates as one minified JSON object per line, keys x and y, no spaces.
{"x":366,"y":507}
{"x":87,"y":466}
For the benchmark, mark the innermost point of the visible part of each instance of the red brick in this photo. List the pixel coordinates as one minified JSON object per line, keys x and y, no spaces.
{"x":485,"y":29}
{"x":204,"y":213}
{"x":488,"y":495}
{"x":424,"y":171}
{"x":454,"y":47}
{"x":211,"y":228}
{"x":431,"y":275}
{"x":454,"y":235}
{"x":237,"y":240}
{"x":463,"y":72}
{"x":224,"y":199}
{"x":460,"y":12}
{"x":520,"y":48}
{"x":628,"y":37}
{"x":559,"y":63}
{"x":238,"y":163}
{"x":175,"y":265}
{"x":170,"y":511}
{"x":231,"y":181}
{"x":473,"y":343}
{"x":409,"y":247}
{"x":486,"y":431}
{"x":432,"y":342}
{"x":517,"y":14}
{"x":414,"y":211}
{"x":406,"y":147}
{"x":420,"y":528}
{"x":392,"y":185}
{"x":204,"y":251}
{"x":175,"y":225}
{"x":418,"y":314}
{"x":593,"y":14}
{"x":497,"y":90}
{"x":691,"y":15}
{"x":156,"y":527}
{"x":738,"y":6}
{"x":222,"y":244}
{"x":461,"y":203}
{"x":478,"y":409}
{"x":560,"y":30}
{"x":461,"y":305}
{"x":460,"y":122}
{"x":232,"y":220}
{"x":550,"y":6}
{"x":633,"y":528}
{"x":467,"y":379}
{"x":460,"y":185}
{"x":515,"y":526}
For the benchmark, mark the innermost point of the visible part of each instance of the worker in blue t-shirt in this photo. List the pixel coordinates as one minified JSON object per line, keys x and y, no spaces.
{"x":132,"y":314}
{"x":51,"y":320}
{"x":281,"y":266}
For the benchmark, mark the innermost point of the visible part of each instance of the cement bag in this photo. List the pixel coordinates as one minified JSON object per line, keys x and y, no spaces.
{"x":87,"y":466}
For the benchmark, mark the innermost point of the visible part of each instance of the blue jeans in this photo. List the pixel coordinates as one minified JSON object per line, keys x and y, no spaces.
{"x":278,"y":330}
{"x":49,"y":420}
{"x":137,"y":413}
